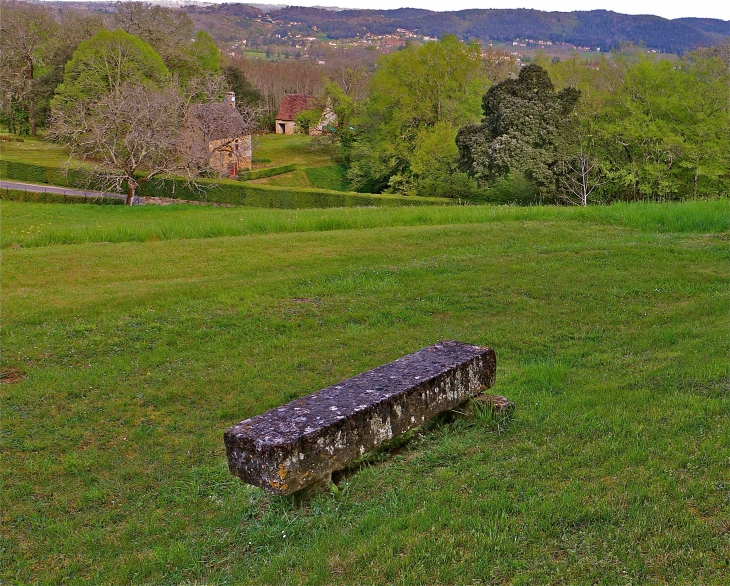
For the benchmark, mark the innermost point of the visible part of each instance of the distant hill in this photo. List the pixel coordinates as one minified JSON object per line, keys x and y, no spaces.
{"x":597,"y":28}
{"x":709,"y":25}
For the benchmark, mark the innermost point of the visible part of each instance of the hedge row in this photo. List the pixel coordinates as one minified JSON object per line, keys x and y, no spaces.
{"x":42,"y":197}
{"x":269,"y":196}
{"x":39,"y":174}
{"x":221,"y":191}
{"x":267,"y":172}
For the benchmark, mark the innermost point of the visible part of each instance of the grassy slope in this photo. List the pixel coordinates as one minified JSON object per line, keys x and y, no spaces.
{"x":297,"y":178}
{"x":611,"y":340}
{"x":285,"y":149}
{"x":31,"y":225}
{"x":282,"y":150}
{"x":33,"y":150}
{"x":279,"y":149}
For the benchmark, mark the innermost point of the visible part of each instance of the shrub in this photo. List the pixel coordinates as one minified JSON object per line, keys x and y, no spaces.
{"x":268,"y":196}
{"x":268,"y":172}
{"x":47,"y":175}
{"x":42,"y":197}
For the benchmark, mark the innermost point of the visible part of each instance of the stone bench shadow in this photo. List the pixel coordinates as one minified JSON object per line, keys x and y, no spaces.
{"x":299,"y":445}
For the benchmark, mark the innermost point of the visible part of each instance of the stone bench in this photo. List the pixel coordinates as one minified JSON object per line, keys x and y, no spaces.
{"x":300,"y":444}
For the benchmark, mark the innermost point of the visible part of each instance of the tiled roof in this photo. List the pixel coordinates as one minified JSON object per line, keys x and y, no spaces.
{"x":292,"y":104}
{"x":221,"y":120}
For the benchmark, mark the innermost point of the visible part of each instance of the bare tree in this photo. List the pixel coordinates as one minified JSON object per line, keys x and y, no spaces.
{"x":127,"y":137}
{"x":138,"y":132}
{"x":498,"y":64}
{"x":580,"y":178}
{"x":275,"y":79}
{"x":168,"y":30}
{"x":24,"y":29}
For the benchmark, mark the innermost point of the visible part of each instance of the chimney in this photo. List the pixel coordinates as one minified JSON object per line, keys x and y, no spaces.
{"x":230,"y":99}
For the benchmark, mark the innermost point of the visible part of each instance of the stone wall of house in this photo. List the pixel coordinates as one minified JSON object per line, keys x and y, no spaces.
{"x":233,"y":157}
{"x":285,"y":127}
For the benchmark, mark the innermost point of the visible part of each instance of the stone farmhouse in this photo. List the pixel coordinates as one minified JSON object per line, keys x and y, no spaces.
{"x":217,"y":134}
{"x":294,"y":104}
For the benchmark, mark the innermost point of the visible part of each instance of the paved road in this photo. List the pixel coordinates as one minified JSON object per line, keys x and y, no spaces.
{"x":38,"y":188}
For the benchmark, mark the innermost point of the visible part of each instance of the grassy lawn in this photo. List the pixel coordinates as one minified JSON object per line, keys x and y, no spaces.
{"x":131,"y":358}
{"x":284,"y":149}
{"x":324,"y":177}
{"x":329,"y":177}
{"x":33,"y":150}
{"x":33,"y":225}
{"x":296,"y":178}
{"x":279,"y":149}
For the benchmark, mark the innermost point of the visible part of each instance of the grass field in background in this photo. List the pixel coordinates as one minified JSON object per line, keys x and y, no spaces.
{"x":131,"y":358}
{"x":328,"y":177}
{"x":283,"y":149}
{"x":275,"y":149}
{"x":34,"y":150}
{"x":279,"y":149}
{"x":324,"y":177}
{"x":296,"y":178}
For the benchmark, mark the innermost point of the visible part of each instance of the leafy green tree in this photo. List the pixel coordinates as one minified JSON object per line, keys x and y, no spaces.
{"x":413,"y":90}
{"x":435,"y":164}
{"x":75,"y":26}
{"x":525,"y":129}
{"x":106,"y":62}
{"x":340,"y":130}
{"x":246,"y":92}
{"x":307,"y":119}
{"x":206,"y":53}
{"x":665,"y":133}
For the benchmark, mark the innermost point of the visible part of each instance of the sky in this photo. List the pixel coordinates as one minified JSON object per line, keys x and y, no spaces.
{"x":666,"y":8}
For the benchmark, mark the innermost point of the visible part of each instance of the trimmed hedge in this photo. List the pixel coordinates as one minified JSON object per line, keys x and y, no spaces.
{"x":268,"y":172}
{"x":269,"y":196}
{"x":41,"y":197}
{"x":39,"y":174}
{"x":222,"y":190}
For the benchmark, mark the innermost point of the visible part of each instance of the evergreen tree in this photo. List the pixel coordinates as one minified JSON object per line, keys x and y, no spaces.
{"x":525,"y":129}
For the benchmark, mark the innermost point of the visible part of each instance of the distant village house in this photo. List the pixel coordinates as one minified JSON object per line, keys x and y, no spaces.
{"x":218,"y":134}
{"x":294,"y":104}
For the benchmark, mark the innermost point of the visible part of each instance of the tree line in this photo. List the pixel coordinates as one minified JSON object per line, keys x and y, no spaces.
{"x":439,"y":121}
{"x":37,"y":42}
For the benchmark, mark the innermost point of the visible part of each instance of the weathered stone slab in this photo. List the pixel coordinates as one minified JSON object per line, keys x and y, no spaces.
{"x":289,"y":448}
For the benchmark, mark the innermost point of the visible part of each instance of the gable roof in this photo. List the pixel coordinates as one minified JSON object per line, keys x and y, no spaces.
{"x":220,"y":120}
{"x":292,"y":104}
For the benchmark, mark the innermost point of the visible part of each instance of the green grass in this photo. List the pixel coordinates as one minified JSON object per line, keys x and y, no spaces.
{"x":329,"y":177}
{"x":275,"y":149}
{"x":34,"y":150}
{"x":297,"y":178}
{"x":611,"y":332}
{"x":284,"y":149}
{"x":47,"y":224}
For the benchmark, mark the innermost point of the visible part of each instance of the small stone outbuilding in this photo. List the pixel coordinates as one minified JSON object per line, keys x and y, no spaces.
{"x":291,"y":106}
{"x":218,"y":134}
{"x":294,"y":104}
